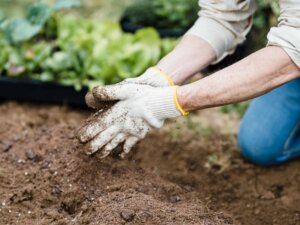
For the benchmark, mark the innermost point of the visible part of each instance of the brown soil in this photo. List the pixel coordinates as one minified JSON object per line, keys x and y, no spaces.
{"x":191,"y":175}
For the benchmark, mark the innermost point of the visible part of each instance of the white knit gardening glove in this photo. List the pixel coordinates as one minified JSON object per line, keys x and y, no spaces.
{"x":140,"y":109}
{"x":153,"y":76}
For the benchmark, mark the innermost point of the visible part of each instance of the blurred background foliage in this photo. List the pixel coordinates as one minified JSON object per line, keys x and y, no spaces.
{"x":175,"y":14}
{"x":266,"y":13}
{"x":265,"y":17}
{"x":100,"y":9}
{"x":54,"y":42}
{"x":172,"y":14}
{"x":170,"y":10}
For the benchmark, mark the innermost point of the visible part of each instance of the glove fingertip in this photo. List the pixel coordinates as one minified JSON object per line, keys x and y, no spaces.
{"x":97,"y":92}
{"x":92,"y":150}
{"x":90,"y":100}
{"x":110,"y":92}
{"x":82,"y":139}
{"x":80,"y":135}
{"x":105,"y":93}
{"x":104,"y":154}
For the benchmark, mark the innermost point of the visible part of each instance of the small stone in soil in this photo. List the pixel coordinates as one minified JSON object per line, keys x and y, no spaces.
{"x":268,"y":195}
{"x":45,"y":164}
{"x":257,"y":211}
{"x":71,"y":135}
{"x":56,"y":190}
{"x":5,"y":146}
{"x":30,"y":154}
{"x":188,"y":188}
{"x":21,"y":161}
{"x":175,"y":198}
{"x":17,"y":138}
{"x":127,"y":215}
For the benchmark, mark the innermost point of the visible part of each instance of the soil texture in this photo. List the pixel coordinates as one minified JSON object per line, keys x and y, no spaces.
{"x":182,"y":174}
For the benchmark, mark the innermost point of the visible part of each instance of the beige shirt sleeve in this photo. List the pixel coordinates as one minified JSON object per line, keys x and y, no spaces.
{"x":287,"y":33}
{"x":223,"y":24}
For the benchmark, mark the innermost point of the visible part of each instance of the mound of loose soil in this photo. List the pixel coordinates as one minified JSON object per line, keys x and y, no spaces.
{"x":172,"y":177}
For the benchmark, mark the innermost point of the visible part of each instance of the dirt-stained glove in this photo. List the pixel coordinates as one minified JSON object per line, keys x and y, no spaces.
{"x":153,"y":76}
{"x":140,"y":109}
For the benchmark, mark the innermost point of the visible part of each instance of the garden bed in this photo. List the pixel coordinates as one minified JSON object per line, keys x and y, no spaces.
{"x":175,"y":176}
{"x":39,"y":91}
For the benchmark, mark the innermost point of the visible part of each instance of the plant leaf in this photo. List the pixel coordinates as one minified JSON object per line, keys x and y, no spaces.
{"x":66,"y":4}
{"x":21,"y":30}
{"x":38,"y":13}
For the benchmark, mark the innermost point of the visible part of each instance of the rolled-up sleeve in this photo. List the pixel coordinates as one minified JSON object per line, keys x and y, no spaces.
{"x":287,"y":34}
{"x":223,"y":24}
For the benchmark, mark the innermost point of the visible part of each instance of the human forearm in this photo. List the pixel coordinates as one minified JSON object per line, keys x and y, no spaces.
{"x":250,"y":77}
{"x":190,"y":56}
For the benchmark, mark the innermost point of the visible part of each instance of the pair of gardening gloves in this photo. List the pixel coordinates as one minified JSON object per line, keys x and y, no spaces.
{"x":127,"y":111}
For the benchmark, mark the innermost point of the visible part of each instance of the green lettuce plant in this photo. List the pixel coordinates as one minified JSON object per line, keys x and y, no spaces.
{"x":73,"y":51}
{"x":37,"y":16}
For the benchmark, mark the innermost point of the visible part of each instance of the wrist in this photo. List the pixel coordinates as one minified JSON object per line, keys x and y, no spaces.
{"x":184,"y":99}
{"x":178,"y":104}
{"x":164,"y":104}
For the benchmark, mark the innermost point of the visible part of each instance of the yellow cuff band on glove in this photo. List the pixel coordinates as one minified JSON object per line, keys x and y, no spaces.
{"x":178,"y":106}
{"x":166,"y":76}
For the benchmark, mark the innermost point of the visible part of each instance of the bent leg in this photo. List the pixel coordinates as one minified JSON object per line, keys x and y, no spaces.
{"x":270,"y":130}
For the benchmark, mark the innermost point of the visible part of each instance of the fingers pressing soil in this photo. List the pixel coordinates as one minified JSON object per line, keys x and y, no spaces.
{"x":83,"y":132}
{"x":94,"y":103}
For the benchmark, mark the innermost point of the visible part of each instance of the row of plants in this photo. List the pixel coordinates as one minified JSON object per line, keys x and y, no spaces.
{"x":51,"y":45}
{"x":170,"y":18}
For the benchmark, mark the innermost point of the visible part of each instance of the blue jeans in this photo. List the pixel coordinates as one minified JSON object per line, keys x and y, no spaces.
{"x":270,"y":130}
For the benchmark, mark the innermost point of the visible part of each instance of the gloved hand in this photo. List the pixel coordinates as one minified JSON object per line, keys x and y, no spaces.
{"x":153,"y":76}
{"x":140,"y":109}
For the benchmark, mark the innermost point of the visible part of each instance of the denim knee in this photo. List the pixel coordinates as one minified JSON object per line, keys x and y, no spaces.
{"x":255,"y":148}
{"x":270,"y":129}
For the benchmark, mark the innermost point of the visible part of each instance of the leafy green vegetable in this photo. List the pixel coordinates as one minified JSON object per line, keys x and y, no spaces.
{"x":38,"y":14}
{"x":79,"y":52}
{"x":21,"y":30}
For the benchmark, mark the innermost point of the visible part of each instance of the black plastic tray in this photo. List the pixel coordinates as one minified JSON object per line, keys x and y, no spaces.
{"x":38,"y":91}
{"x":163,"y":33}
